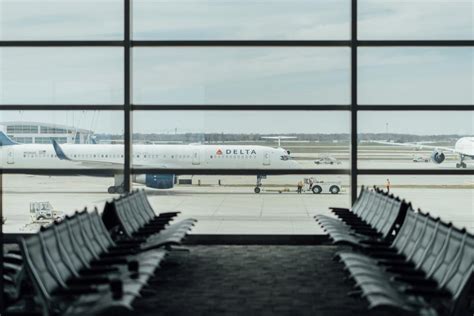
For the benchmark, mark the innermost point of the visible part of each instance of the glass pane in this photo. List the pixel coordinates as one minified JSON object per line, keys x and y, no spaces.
{"x":61,"y":20}
{"x":416,"y":76}
{"x":416,"y":140}
{"x":241,"y":140}
{"x":233,"y":208}
{"x":449,"y":197}
{"x":241,"y":20}
{"x":416,"y":19}
{"x":255,"y":75}
{"x":61,"y":75}
{"x":86,"y":139}
{"x":31,"y":200}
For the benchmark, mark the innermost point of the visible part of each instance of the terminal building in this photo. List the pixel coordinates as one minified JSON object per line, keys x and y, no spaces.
{"x":42,"y":133}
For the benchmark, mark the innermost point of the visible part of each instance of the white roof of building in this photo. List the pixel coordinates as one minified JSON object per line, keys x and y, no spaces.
{"x":12,"y":123}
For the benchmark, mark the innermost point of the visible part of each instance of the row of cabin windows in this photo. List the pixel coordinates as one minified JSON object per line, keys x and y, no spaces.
{"x":34,"y":155}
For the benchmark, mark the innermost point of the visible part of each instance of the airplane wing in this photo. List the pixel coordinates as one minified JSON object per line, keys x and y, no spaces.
{"x":415,"y":145}
{"x":99,"y":164}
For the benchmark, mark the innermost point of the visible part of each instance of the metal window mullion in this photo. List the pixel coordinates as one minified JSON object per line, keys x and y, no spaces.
{"x":127,"y":97}
{"x":354,"y":101}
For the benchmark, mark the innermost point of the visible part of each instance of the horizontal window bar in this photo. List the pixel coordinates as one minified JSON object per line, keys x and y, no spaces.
{"x":63,"y":172}
{"x":415,"y":107}
{"x":60,"y":107}
{"x":447,"y":43}
{"x":416,"y":171}
{"x":110,"y":172}
{"x":246,"y":107}
{"x":315,"y":43}
{"x":60,"y":43}
{"x":219,"y":43}
{"x":239,"y":171}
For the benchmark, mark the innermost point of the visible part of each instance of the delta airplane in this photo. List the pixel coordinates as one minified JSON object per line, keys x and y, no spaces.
{"x":193,"y":156}
{"x":464,"y":147}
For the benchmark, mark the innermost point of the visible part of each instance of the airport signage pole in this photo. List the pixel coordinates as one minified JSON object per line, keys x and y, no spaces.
{"x":354,"y":172}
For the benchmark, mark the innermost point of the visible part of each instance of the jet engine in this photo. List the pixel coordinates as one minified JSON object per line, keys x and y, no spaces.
{"x":437,"y":157}
{"x":156,"y":181}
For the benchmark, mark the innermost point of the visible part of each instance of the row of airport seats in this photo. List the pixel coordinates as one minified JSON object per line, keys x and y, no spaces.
{"x":403,"y":261}
{"x":78,"y":267}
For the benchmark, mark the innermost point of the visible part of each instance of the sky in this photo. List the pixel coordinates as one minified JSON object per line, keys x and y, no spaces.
{"x":250,"y":75}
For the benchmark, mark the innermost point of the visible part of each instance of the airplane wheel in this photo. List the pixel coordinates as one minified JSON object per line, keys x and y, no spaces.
{"x":111,"y":190}
{"x":458,"y":165}
{"x":463,"y":165}
{"x":256,"y":190}
{"x":317,"y":189}
{"x":120,"y":190}
{"x":334,"y":189}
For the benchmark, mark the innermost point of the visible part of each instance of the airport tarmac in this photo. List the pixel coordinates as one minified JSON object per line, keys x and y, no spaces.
{"x":232,"y":207}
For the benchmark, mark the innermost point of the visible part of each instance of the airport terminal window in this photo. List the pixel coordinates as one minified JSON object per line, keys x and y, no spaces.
{"x":105,"y":127}
{"x":291,"y":139}
{"x":433,"y":194}
{"x":61,"y":75}
{"x":53,"y":130}
{"x":61,"y":20}
{"x":22,"y":129}
{"x":241,"y":20}
{"x":290,"y":60}
{"x":241,"y":75}
{"x":66,"y":194}
{"x":441,"y":75}
{"x":415,"y":20}
{"x":415,"y":140}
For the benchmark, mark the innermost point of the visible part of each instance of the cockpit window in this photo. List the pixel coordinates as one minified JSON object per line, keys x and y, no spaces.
{"x":285,"y":157}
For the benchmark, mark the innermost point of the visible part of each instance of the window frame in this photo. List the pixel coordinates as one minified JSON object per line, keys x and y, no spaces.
{"x":127,"y":108}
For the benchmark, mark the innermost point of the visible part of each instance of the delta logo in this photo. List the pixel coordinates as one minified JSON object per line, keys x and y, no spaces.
{"x":236,"y":152}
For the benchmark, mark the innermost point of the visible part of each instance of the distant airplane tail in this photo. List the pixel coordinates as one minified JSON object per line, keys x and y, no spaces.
{"x":5,"y":140}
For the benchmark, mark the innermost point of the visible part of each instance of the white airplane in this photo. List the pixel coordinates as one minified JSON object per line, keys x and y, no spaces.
{"x":464,"y":147}
{"x":193,"y":156}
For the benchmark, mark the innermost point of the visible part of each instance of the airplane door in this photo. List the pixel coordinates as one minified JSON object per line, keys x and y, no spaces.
{"x":196,"y":157}
{"x":266,"y":159}
{"x":10,"y":155}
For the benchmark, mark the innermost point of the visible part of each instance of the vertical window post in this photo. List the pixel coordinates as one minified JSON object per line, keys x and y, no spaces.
{"x":354,"y":101}
{"x":127,"y":97}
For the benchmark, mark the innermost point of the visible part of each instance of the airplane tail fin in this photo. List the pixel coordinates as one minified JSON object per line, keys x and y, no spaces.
{"x":5,"y":140}
{"x":59,"y":151}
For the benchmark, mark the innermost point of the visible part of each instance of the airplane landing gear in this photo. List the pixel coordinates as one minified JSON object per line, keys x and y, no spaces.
{"x":259,"y":183}
{"x":461,"y":164}
{"x":118,"y":185}
{"x":116,"y":189}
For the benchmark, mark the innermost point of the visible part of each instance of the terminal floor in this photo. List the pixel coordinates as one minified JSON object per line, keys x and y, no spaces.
{"x":251,"y":280}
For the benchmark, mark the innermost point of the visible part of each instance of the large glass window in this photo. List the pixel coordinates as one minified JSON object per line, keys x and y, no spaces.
{"x":409,"y":75}
{"x":241,"y":140}
{"x":33,"y":200}
{"x":212,"y":81}
{"x":61,"y":20}
{"x":241,"y":19}
{"x":450,"y":197}
{"x":91,"y":140}
{"x":61,"y":75}
{"x":250,"y":75}
{"x":415,"y":19}
{"x":416,"y":140}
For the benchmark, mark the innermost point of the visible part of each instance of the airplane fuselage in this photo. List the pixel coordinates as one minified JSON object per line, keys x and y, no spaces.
{"x":147,"y":156}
